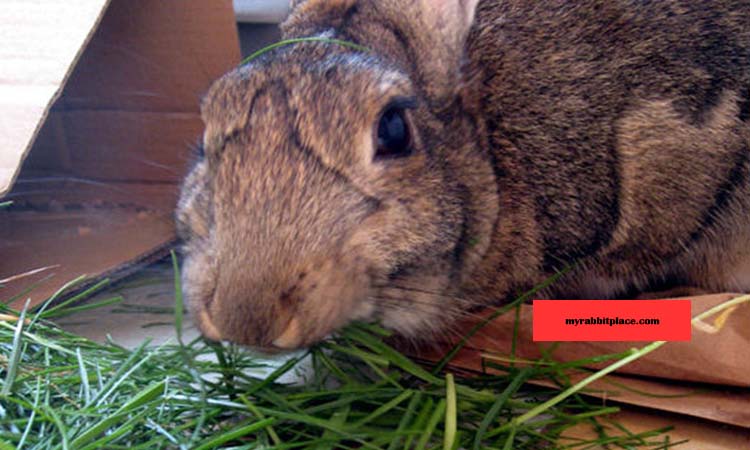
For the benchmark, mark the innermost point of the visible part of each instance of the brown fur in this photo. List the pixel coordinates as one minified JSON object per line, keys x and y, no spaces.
{"x":612,"y":134}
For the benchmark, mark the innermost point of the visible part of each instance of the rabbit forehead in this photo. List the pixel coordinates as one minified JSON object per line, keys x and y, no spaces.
{"x":315,"y":76}
{"x":345,"y":91}
{"x":329,"y":103}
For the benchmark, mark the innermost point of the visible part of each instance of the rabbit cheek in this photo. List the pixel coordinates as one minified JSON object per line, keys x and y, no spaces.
{"x":193,"y":207}
{"x":198,"y":286}
{"x":416,"y":303}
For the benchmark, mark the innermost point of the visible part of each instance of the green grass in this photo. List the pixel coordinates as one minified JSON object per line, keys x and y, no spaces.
{"x":61,"y":391}
{"x":291,"y":41}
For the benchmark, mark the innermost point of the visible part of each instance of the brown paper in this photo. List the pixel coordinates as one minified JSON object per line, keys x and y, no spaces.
{"x":700,"y":434}
{"x":720,"y":358}
{"x":705,"y":382}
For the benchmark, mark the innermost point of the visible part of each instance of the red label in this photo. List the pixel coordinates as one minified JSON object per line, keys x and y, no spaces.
{"x":612,"y":320}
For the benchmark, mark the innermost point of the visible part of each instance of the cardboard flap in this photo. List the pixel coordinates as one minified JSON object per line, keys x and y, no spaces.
{"x":98,"y":189}
{"x":40,"y":43}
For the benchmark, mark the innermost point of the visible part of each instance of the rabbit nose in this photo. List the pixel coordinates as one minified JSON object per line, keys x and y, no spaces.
{"x":290,"y":338}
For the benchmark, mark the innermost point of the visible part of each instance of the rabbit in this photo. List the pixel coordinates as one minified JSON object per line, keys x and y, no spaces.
{"x":463,"y":152}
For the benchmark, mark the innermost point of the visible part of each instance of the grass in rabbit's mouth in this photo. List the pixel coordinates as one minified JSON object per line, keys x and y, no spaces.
{"x":61,"y":391}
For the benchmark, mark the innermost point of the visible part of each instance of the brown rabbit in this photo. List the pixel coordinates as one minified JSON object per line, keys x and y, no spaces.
{"x":474,"y":149}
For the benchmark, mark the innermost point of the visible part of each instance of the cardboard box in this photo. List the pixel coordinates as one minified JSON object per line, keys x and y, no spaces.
{"x":98,"y":109}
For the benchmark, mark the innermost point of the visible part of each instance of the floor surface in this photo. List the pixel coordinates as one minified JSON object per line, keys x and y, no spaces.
{"x":146,"y":311}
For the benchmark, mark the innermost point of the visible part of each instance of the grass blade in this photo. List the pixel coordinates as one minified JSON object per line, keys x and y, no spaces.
{"x":84,"y":376}
{"x":431,"y":425}
{"x":223,"y":438}
{"x":502,"y":399}
{"x":179,"y":304}
{"x":299,"y":40}
{"x":450,"y":413}
{"x":15,"y":354}
{"x":383,"y":409}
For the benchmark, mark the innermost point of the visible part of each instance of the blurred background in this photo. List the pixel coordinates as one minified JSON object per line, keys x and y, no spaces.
{"x":257,"y":22}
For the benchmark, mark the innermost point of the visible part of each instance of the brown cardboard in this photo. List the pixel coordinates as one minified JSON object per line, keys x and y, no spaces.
{"x":699,"y":434}
{"x":103,"y":130}
{"x":721,"y":358}
{"x":39,"y":43}
{"x":704,"y":384}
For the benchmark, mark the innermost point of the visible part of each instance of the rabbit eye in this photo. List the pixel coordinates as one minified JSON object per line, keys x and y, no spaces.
{"x":394,"y":136}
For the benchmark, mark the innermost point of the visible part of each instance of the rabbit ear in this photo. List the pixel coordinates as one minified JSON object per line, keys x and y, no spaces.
{"x":442,"y":29}
{"x":451,"y":18}
{"x":436,"y":31}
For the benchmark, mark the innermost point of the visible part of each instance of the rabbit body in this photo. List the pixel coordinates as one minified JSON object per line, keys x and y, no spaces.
{"x":473,"y":150}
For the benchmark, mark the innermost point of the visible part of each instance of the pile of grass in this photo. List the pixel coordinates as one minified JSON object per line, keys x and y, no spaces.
{"x":61,"y":391}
